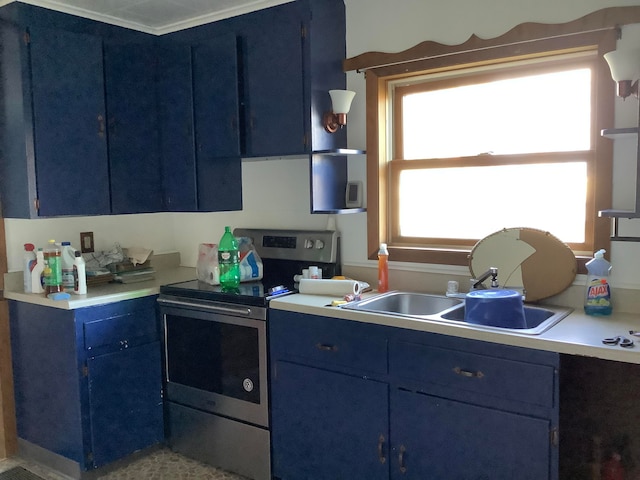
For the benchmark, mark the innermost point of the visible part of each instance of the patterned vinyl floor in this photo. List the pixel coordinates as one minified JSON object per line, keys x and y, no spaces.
{"x":162,"y":464}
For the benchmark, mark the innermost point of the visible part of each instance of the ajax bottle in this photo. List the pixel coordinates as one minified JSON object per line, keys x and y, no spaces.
{"x":229,"y":261}
{"x":383,"y":268}
{"x":598,"y":290}
{"x":53,"y":268}
{"x":28,"y":262}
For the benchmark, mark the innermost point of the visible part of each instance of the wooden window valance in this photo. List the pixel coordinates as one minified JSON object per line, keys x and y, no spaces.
{"x":426,"y":54}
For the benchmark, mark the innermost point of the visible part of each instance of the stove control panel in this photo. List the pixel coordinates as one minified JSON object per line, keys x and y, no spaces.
{"x":303,"y":245}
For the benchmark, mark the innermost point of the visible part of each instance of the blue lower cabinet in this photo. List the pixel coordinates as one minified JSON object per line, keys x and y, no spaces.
{"x":328,"y":425}
{"x":356,"y":400}
{"x":439,"y":438}
{"x":88,"y":382}
{"x":130,"y":417}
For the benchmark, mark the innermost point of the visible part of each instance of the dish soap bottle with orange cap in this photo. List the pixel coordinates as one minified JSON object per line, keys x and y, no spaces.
{"x":383,"y":268}
{"x":597,"y":299}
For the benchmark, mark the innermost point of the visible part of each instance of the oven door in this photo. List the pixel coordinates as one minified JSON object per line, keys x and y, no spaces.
{"x":216,"y":358}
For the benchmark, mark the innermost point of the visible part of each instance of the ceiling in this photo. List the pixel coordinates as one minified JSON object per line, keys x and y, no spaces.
{"x":154,"y":16}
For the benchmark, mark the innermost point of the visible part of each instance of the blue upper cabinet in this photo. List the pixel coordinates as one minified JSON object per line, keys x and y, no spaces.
{"x":55,"y":139}
{"x":199,"y":124}
{"x":175,"y":111}
{"x":273,"y":88}
{"x":291,"y":57}
{"x":216,"y":118}
{"x":216,"y":109}
{"x":132,"y":120}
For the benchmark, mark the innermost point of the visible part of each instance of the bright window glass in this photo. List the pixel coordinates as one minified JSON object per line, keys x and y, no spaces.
{"x":473,"y":202}
{"x":549,"y":112}
{"x":492,"y":131}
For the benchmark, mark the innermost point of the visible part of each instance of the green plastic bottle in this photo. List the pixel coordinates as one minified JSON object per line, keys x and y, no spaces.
{"x":229,"y":261}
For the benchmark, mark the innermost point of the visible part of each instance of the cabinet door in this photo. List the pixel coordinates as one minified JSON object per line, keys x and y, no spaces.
{"x":433,"y":437}
{"x":274,"y":85}
{"x":125,"y":402}
{"x":219,"y":169}
{"x":175,"y":110}
{"x":134,"y":156}
{"x":215,"y":89}
{"x":69,"y":121}
{"x":327,"y":425}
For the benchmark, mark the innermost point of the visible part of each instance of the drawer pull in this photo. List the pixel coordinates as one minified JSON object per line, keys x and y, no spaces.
{"x":401,"y":450}
{"x":468,"y":374}
{"x":381,"y":455}
{"x":326,"y":347}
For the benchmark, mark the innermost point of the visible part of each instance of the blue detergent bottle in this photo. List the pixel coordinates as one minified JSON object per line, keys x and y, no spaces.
{"x":597,"y":299}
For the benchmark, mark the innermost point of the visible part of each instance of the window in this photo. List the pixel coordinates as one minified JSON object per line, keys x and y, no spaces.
{"x":465,"y":140}
{"x":509,"y":147}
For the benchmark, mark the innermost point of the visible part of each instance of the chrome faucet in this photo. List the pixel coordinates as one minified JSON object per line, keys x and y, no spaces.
{"x":476,"y":283}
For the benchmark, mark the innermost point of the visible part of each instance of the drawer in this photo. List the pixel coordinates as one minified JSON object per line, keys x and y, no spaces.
{"x":475,"y":373}
{"x":324,"y":342}
{"x":121,"y":331}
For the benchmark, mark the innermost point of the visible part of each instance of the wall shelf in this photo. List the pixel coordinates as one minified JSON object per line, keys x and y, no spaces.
{"x":616,"y":215}
{"x":614,"y":133}
{"x":329,"y":180}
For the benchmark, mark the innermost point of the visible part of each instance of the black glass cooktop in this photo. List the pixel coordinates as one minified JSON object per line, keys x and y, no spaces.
{"x":248,"y":293}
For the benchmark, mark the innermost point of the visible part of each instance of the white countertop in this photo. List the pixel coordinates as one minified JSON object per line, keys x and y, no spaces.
{"x":101,"y":294}
{"x":576,"y":334}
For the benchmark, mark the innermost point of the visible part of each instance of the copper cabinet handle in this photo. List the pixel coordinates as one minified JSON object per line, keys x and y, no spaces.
{"x":401,"y":450}
{"x":326,"y":347}
{"x":467,"y":373}
{"x":381,"y":456}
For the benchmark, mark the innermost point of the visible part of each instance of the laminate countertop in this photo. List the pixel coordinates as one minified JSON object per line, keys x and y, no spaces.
{"x":99,"y":294}
{"x":576,"y":334}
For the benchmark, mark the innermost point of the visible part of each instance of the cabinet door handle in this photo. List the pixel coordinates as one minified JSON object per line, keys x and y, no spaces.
{"x":381,"y":456}
{"x":467,"y":373}
{"x":401,"y":450}
{"x":326,"y":347}
{"x":100,"y":126}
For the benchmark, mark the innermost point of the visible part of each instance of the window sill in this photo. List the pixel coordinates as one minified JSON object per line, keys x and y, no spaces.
{"x":447,"y":257}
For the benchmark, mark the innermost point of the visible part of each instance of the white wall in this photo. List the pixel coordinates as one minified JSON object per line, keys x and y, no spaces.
{"x":276,"y":192}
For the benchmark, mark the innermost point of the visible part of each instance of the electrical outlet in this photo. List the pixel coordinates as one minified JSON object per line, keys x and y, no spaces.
{"x":86,"y":242}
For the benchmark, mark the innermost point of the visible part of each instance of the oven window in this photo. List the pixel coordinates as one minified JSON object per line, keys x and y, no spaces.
{"x":217,"y":357}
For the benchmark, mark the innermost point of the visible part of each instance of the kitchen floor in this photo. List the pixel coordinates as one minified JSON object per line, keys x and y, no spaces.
{"x":162,"y":464}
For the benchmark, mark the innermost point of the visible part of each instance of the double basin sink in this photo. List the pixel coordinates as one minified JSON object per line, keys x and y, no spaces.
{"x":438,"y":308}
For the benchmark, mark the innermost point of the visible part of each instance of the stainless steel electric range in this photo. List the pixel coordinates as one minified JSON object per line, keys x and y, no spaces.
{"x":215,"y":343}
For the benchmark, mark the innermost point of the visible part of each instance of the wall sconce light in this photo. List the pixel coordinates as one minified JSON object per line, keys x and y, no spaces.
{"x":341,"y":103}
{"x":625,"y":69}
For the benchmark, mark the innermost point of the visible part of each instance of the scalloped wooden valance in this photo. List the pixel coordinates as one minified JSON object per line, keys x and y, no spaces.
{"x":605,"y":19}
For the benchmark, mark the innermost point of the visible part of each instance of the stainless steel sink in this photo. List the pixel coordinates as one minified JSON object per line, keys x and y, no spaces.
{"x":442,"y":309}
{"x":537,"y":319}
{"x":406,"y":304}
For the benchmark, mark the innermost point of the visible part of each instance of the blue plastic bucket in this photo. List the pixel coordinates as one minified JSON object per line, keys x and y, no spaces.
{"x":495,"y":308}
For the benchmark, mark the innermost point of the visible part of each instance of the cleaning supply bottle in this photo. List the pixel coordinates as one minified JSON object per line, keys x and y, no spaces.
{"x":67,"y":258}
{"x":37,"y":284}
{"x":229,"y":261}
{"x":79,"y":274}
{"x":598,"y":290}
{"x":28,"y":262}
{"x":53,"y":268}
{"x":383,"y":268}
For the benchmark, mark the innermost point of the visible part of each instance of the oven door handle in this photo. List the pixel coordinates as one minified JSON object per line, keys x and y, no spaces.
{"x":208,"y":307}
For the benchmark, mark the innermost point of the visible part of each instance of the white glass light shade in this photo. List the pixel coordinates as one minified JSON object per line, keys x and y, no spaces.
{"x":341,"y":100}
{"x":624,"y":64}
